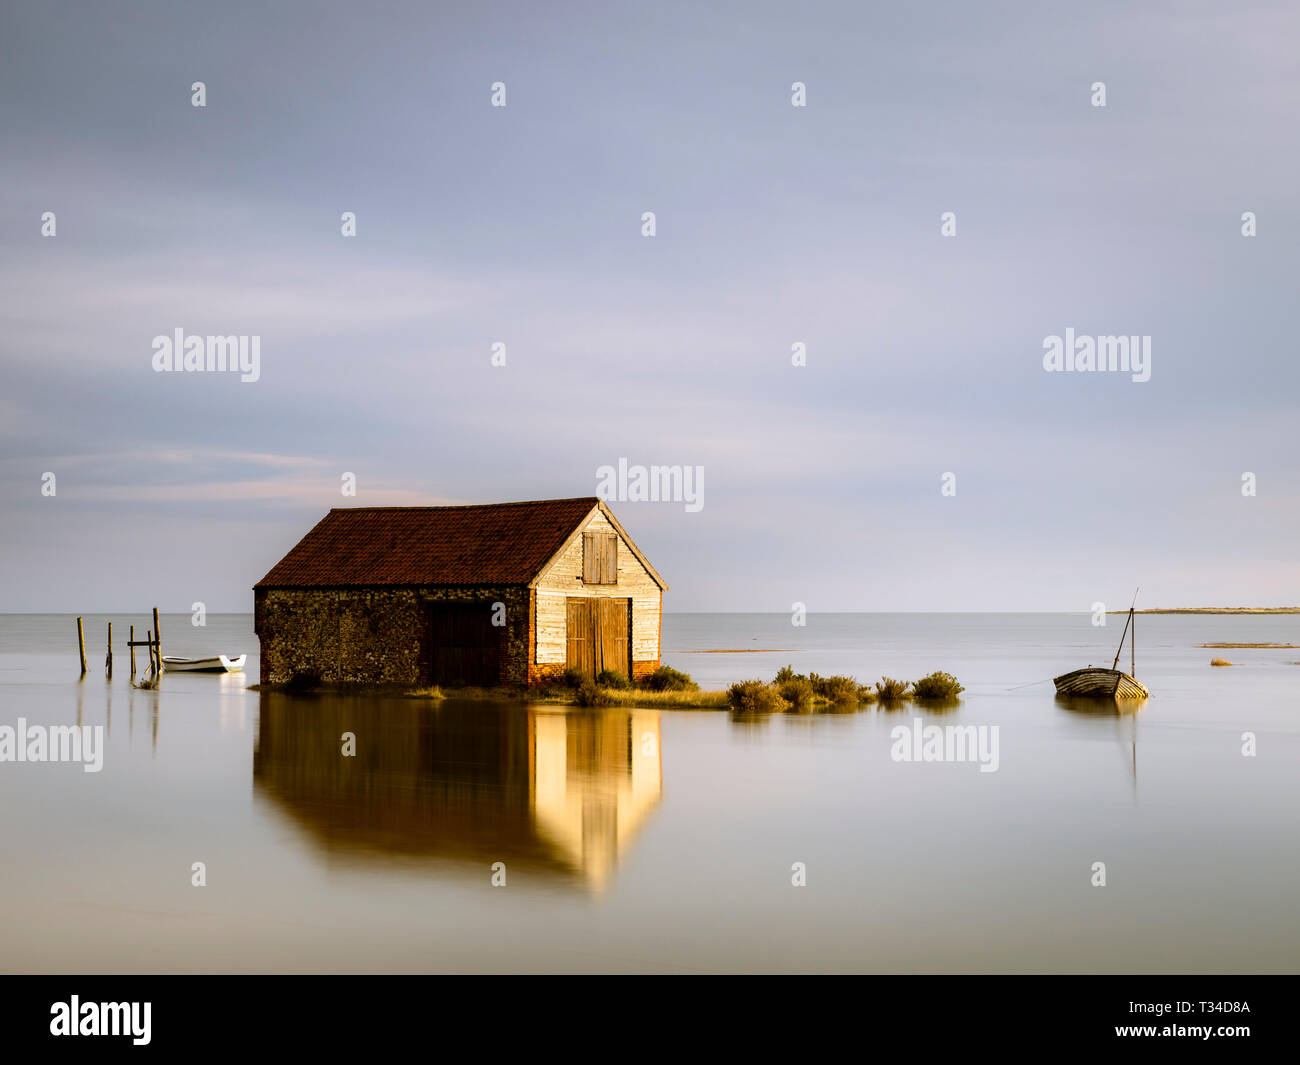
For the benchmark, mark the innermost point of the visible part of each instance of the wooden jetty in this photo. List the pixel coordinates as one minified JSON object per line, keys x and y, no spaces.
{"x":152,"y":641}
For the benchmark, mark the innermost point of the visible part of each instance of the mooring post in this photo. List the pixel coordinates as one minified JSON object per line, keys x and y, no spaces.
{"x":108,"y":662}
{"x":130,"y":642}
{"x":81,"y":645}
{"x":157,"y":635}
{"x":148,"y":639}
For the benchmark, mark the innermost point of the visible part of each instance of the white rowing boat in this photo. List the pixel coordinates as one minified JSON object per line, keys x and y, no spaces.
{"x":217,"y":664}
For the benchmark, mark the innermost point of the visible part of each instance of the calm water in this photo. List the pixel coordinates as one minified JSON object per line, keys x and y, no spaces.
{"x":646,"y":841}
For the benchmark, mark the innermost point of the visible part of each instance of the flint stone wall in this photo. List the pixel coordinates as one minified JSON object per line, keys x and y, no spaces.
{"x":372,"y":635}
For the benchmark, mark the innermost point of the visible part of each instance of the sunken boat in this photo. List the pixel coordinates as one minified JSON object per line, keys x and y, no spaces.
{"x":1096,"y":682}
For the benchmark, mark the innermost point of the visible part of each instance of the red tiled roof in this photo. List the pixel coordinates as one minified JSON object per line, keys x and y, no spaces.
{"x":497,"y":543}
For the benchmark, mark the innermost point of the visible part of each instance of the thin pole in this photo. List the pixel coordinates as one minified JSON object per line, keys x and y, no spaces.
{"x":81,"y":645}
{"x":157,"y":635}
{"x":1119,"y":650}
{"x":1132,"y":640}
{"x":131,"y":644}
{"x":108,"y":662}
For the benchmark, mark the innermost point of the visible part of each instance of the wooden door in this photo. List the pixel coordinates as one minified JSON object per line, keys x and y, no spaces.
{"x":598,"y":635}
{"x":466,"y":646}
{"x":614,"y":630}
{"x":580,"y":629}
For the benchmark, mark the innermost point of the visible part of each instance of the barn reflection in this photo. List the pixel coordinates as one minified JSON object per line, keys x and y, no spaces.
{"x":550,"y":791}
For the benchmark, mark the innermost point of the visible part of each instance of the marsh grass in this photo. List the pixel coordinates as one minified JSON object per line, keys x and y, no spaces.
{"x":669,"y":700}
{"x":671,"y":689}
{"x":1283,"y":646}
{"x":588,"y":694}
{"x":837,"y":689}
{"x":611,"y":678}
{"x":936,"y":687}
{"x":755,"y":697}
{"x":799,"y":692}
{"x":794,"y":692}
{"x":667,"y":679}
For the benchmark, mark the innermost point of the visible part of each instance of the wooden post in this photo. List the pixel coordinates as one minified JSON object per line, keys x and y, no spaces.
{"x":148,"y":639}
{"x":130,"y":642}
{"x":108,"y":662}
{"x":81,"y":645}
{"x":157,"y":635}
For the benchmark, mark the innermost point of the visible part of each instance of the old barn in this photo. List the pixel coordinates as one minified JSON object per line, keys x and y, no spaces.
{"x":505,"y":593}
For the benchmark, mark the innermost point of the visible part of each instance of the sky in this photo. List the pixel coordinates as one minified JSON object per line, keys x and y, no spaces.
{"x":822,"y":225}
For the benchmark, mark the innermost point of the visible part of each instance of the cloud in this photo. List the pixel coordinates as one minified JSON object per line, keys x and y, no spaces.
{"x":84,"y":310}
{"x":180,"y":477}
{"x":479,"y":225}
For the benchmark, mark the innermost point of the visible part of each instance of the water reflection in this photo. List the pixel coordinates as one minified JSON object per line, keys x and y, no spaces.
{"x":232,"y":701}
{"x":1122,"y":714}
{"x":1077,"y":704}
{"x":539,"y":788}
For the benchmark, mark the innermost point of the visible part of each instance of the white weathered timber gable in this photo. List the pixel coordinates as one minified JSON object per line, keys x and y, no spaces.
{"x":561,"y":579}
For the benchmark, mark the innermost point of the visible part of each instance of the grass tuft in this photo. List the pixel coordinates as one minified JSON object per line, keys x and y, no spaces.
{"x":936,"y":687}
{"x":890,"y":691}
{"x":667,"y":679}
{"x":799,"y":692}
{"x":587,"y":694}
{"x":670,"y":700}
{"x":755,"y":697}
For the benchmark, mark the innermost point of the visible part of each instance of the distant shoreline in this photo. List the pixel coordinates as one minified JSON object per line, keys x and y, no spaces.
{"x":186,"y":614}
{"x":1214,"y":610}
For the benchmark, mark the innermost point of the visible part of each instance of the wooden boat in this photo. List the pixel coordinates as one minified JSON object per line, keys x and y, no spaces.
{"x":1096,"y":682}
{"x":217,"y":664}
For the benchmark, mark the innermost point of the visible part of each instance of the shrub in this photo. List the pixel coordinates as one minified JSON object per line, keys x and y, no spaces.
{"x":937,"y":687}
{"x":612,"y":678}
{"x":589,"y":695}
{"x":787,"y":673}
{"x":573,"y":678}
{"x":755,"y":697}
{"x":667,"y":679}
{"x":797,"y":691}
{"x":837,"y":689}
{"x":889,"y":690}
